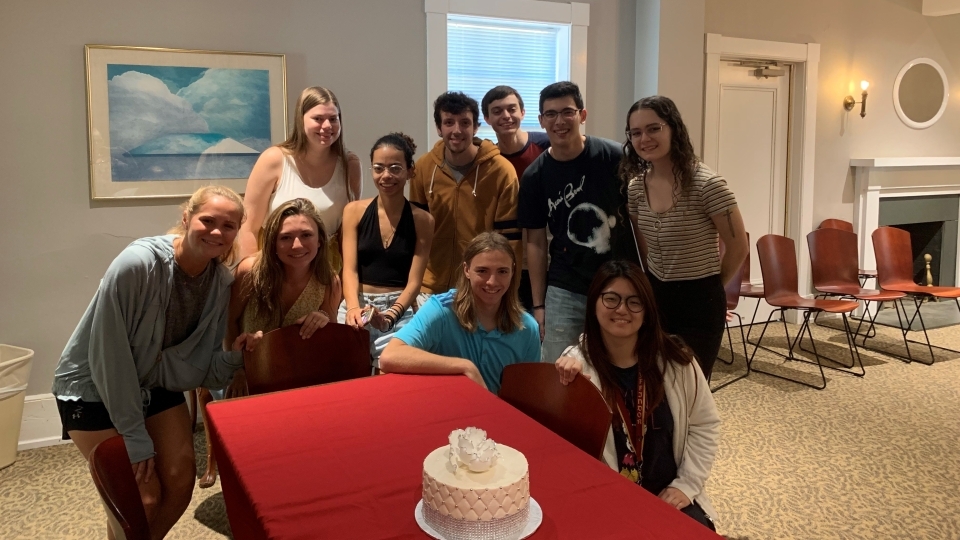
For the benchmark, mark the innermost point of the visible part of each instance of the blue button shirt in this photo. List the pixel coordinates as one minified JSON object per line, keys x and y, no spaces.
{"x":435,"y":329}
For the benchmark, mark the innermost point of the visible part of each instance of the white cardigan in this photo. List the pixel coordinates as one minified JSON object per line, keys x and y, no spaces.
{"x":696,"y":427}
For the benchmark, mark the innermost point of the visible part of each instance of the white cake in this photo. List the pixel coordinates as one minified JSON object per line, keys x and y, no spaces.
{"x":462,"y":503}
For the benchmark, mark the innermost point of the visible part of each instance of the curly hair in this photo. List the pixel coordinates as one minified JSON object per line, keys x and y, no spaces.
{"x":456,"y":103}
{"x":682,"y":156}
{"x":399,"y":140}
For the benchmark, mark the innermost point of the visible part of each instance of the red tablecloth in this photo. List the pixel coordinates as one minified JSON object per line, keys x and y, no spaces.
{"x":345,"y":461}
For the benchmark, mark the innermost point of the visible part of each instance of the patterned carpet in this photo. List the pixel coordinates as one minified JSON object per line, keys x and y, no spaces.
{"x":866,"y":458}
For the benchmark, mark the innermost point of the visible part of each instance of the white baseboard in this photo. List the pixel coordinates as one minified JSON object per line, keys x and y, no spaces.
{"x":41,"y":423}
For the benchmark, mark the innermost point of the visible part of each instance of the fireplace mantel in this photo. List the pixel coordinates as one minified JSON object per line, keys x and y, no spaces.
{"x":876,"y":178}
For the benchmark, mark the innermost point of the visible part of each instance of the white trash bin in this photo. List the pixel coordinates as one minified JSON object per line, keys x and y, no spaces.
{"x":14,"y":374}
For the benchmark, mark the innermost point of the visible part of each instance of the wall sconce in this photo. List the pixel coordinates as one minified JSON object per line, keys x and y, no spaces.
{"x":849,"y":102}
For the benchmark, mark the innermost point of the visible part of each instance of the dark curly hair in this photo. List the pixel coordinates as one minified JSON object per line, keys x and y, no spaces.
{"x":682,"y":156}
{"x":456,"y":103}
{"x":400,"y":141}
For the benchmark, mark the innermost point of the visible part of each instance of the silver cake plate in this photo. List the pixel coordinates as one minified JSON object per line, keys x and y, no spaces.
{"x":534,"y":519}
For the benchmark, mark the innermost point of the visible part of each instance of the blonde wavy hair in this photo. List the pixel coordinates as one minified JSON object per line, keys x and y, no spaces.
{"x":196,"y":201}
{"x":510,"y":312}
{"x":265,"y":281}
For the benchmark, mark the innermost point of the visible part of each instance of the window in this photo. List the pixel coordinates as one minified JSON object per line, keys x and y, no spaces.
{"x":474,"y":45}
{"x":484,"y":52}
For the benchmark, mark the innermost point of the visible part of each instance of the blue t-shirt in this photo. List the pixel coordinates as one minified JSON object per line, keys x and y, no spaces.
{"x":435,"y":329}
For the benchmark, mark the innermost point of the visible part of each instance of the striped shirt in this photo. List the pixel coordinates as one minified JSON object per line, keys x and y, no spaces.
{"x":682,"y":242}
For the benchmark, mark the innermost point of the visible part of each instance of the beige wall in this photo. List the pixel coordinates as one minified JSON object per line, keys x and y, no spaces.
{"x":56,"y":243}
{"x":860,"y":39}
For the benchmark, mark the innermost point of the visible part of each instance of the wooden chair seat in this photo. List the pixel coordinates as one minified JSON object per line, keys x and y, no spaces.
{"x":577,"y":412}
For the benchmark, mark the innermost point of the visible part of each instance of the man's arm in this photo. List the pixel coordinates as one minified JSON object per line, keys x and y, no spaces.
{"x":537,"y":268}
{"x":398,"y":357}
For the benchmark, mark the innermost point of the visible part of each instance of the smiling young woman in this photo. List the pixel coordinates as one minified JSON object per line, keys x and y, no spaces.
{"x":154,"y":330}
{"x":665,"y":430}
{"x":288,"y":282}
{"x":679,"y":208}
{"x":386,"y":242}
{"x":313,"y":163}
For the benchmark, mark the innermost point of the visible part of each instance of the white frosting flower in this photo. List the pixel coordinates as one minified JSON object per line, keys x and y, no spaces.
{"x":472,"y":449}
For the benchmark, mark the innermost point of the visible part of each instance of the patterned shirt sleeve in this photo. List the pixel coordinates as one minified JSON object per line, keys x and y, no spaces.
{"x":716,"y":196}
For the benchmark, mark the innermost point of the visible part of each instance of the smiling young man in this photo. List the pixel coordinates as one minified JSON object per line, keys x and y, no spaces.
{"x":573,"y":190}
{"x":503,"y":110}
{"x":476,"y":329}
{"x":466,"y":185}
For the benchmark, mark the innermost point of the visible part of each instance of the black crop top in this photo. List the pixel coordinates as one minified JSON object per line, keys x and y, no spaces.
{"x":385,"y":267}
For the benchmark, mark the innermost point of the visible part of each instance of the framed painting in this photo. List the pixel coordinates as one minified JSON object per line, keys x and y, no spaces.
{"x":164,"y":122}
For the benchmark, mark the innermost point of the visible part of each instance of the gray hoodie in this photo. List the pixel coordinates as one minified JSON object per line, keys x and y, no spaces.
{"x":115,"y":355}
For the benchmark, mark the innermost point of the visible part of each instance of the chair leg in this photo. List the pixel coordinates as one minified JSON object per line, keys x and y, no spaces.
{"x":918,"y":302}
{"x":790,"y":356}
{"x":872,"y":332}
{"x":726,"y":325}
{"x":743,"y":337}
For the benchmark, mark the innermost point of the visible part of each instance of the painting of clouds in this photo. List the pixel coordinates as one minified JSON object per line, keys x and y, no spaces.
{"x":194,"y":123}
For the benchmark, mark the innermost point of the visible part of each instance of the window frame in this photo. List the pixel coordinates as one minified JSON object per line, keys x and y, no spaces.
{"x":576,"y":14}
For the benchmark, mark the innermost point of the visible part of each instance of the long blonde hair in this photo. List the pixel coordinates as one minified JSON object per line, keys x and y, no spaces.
{"x":296,"y":143}
{"x":510,"y":313}
{"x":265,"y":281}
{"x":196,"y":201}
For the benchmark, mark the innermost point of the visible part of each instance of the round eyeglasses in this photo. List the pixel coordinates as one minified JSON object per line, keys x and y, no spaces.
{"x":612,"y":300}
{"x":652,"y":131}
{"x":394,"y":169}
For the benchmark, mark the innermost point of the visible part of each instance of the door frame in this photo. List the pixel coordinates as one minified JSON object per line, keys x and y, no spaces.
{"x":801,"y":137}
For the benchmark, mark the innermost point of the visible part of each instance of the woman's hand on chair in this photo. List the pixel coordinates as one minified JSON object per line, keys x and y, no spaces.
{"x":675,"y":498}
{"x":569,"y":367}
{"x":238,"y":386}
{"x":143,"y":471}
{"x":247,"y":341}
{"x":312,"y":322}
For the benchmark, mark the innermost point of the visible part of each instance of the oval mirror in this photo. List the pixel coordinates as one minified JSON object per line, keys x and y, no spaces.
{"x":920,"y":93}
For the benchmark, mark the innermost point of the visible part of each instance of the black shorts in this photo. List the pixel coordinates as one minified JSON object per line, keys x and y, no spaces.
{"x":82,"y":415}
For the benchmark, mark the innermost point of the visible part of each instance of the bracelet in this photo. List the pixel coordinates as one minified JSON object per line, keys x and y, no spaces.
{"x":399,"y":307}
{"x":324,"y":313}
{"x":541,"y":306}
{"x":353,"y":308}
{"x":395,"y":311}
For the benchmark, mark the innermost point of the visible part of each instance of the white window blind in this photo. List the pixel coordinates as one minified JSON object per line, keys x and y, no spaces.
{"x":484,"y":52}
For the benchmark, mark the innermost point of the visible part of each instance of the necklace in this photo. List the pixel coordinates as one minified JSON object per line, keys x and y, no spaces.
{"x":393,"y":230}
{"x":675,"y":195}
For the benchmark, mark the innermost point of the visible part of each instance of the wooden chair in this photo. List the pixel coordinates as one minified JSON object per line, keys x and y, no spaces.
{"x":732,"y":290}
{"x":577,"y":412}
{"x":748,"y":289}
{"x":833,"y":261}
{"x":113,"y":477}
{"x":778,"y":262}
{"x":846,"y":226}
{"x":895,"y":273}
{"x":283,"y":360}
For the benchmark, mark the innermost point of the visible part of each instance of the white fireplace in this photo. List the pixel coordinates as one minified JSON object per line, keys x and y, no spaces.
{"x":878,"y":178}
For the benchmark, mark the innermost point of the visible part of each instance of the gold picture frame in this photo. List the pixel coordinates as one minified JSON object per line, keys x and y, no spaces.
{"x":163,"y":122}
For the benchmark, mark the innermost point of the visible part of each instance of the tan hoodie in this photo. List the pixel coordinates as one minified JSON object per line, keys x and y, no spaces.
{"x":485,"y":199}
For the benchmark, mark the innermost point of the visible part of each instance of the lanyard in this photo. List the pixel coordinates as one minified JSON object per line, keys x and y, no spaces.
{"x":635,"y":434}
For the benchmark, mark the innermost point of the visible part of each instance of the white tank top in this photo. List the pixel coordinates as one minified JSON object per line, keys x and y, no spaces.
{"x":329,"y":199}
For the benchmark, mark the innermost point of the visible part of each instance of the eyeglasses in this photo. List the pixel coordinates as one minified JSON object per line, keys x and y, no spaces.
{"x":567,"y":114}
{"x":612,"y":300}
{"x":652,"y":131}
{"x":394,"y":169}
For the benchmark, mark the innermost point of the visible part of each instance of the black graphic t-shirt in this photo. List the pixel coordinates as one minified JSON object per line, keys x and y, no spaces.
{"x":584,"y":205}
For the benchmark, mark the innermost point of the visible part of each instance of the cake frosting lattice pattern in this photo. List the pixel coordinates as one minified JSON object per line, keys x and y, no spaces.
{"x":473,"y":504}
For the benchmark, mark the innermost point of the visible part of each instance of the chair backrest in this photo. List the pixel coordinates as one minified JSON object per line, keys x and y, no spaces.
{"x":836,"y":224}
{"x":833,"y":258}
{"x":894,"y":255}
{"x":745,"y":267}
{"x":113,"y":477}
{"x":732,"y":288}
{"x":283,"y":360}
{"x":577,"y":412}
{"x":778,"y":265}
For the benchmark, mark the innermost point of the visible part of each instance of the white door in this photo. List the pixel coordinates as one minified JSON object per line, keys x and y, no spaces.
{"x":752,"y":155}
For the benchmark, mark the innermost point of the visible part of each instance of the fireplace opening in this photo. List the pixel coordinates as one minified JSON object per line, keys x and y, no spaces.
{"x":932,"y":223}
